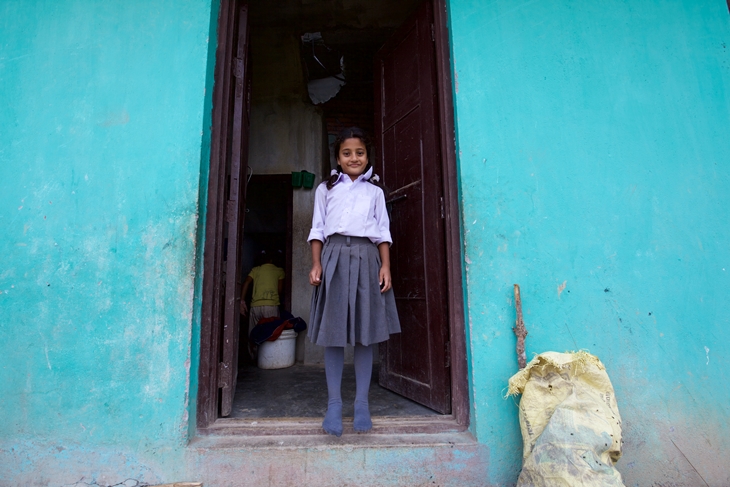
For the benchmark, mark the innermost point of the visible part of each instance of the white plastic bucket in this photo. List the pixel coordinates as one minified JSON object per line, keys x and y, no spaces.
{"x":280,"y":353}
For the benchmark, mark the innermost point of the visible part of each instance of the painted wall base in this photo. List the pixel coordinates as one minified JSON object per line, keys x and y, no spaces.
{"x":446,"y":460}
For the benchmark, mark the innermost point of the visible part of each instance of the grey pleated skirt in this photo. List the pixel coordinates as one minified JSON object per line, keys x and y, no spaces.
{"x":348,"y":307}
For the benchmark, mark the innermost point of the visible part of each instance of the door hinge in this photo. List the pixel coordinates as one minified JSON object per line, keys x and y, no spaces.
{"x":442,"y":208}
{"x":448,"y":355}
{"x":224,"y":375}
{"x":238,"y":67}
{"x":433,"y":35}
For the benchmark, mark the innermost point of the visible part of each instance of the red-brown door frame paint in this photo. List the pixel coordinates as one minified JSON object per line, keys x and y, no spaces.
{"x":208,"y":397}
{"x":459,"y":366}
{"x":210,"y":329}
{"x":235,"y":195}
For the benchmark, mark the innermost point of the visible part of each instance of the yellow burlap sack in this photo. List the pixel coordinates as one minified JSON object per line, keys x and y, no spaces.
{"x":570,"y":423}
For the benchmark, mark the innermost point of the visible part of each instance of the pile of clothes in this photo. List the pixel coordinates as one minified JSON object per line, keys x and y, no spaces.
{"x":269,"y":329}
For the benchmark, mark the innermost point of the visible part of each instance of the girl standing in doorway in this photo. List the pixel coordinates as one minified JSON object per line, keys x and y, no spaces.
{"x":352,"y":303}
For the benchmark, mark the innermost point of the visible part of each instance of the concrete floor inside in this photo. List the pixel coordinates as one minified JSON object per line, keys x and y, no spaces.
{"x":300,"y":391}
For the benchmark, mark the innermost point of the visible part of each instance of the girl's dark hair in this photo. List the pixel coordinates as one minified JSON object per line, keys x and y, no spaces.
{"x":354,"y":133}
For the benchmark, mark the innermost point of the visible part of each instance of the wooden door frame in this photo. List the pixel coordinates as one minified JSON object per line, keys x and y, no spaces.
{"x":207,"y":411}
{"x":455,"y":293}
{"x":210,"y":329}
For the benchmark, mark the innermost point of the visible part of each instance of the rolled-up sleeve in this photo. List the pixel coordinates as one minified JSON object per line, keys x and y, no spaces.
{"x":318,"y":216}
{"x":381,"y":217}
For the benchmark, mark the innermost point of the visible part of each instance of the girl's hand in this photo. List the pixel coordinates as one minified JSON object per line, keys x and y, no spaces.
{"x":315,"y":275}
{"x":384,"y":279}
{"x":244,"y":308}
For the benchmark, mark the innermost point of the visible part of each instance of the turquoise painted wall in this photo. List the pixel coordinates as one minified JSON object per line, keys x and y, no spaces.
{"x":104,"y":128}
{"x":594,"y":155}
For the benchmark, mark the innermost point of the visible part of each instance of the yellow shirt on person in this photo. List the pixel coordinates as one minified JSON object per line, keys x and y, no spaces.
{"x":266,"y":285}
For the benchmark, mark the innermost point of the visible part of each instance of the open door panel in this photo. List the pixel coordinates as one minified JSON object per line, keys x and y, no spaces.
{"x":234,"y":211}
{"x":414,"y":363}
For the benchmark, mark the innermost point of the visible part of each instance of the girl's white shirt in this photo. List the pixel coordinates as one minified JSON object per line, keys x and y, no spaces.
{"x":352,"y":208}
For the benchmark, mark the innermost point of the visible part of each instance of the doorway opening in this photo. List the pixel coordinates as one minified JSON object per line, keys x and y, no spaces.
{"x":289,"y":77}
{"x":267,"y":228}
{"x":297,"y":391}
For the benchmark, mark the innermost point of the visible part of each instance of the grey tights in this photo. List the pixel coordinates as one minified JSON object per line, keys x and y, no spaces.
{"x":334,"y":360}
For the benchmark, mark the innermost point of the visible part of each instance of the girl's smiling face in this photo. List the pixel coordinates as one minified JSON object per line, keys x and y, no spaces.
{"x":353,"y":157}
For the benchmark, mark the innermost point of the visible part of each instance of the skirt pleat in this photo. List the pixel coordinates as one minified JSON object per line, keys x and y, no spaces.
{"x":347,"y":306}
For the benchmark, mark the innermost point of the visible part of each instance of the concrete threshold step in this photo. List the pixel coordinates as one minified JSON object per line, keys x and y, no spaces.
{"x":443,"y":459}
{"x":382,"y":425}
{"x":347,"y":441}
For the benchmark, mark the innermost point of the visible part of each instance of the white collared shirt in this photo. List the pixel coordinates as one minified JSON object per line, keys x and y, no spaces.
{"x":352,"y":208}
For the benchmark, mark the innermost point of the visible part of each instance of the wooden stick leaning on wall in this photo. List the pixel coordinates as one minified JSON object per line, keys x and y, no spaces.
{"x":520,"y":330}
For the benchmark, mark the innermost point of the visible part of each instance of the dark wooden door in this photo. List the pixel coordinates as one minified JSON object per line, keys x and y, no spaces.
{"x":235,"y":206}
{"x":414,"y":363}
